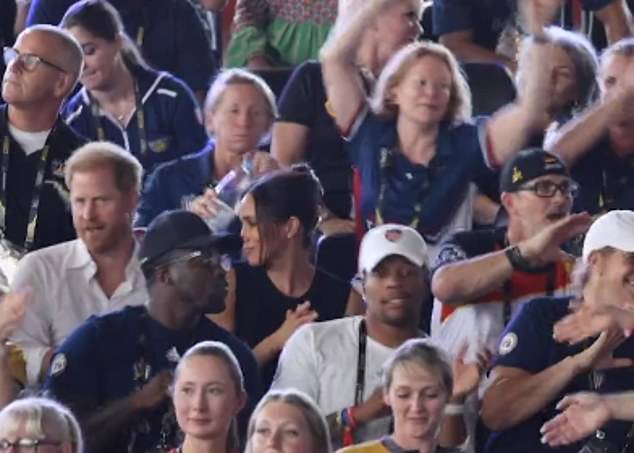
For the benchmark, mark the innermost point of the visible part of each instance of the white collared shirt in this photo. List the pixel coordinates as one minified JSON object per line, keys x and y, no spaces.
{"x":65,"y":294}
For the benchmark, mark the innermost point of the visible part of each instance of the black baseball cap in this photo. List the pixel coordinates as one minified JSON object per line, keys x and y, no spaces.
{"x":530,"y":164}
{"x":179,"y":229}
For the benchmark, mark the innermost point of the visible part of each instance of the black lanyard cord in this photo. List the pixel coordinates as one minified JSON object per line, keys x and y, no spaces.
{"x":140,"y":118}
{"x":35,"y":199}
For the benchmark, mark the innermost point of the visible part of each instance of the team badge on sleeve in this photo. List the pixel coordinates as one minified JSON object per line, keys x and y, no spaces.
{"x":508,"y":343}
{"x":58,"y":365}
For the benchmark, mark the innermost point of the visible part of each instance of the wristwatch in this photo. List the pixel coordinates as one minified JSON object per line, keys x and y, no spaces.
{"x":517,"y":260}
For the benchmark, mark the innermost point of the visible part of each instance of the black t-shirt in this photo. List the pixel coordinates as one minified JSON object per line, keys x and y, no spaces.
{"x":54,"y":220}
{"x":261,"y":307}
{"x":303,"y":101}
{"x":606,"y":180}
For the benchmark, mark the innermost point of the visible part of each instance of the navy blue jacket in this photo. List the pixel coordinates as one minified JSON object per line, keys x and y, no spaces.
{"x":172,"y":118}
{"x":175,"y":181}
{"x":109,"y":357}
{"x":54,"y":220}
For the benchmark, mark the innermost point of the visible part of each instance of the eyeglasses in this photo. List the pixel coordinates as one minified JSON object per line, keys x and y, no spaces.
{"x":547,"y":189}
{"x":28,"y":61}
{"x":25,"y":445}
{"x":222,"y":261}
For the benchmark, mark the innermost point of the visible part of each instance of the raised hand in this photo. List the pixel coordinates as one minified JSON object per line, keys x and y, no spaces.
{"x":303,"y":314}
{"x":545,"y":246}
{"x":538,"y":14}
{"x":263,"y":162}
{"x":153,"y":392}
{"x":599,"y":356}
{"x":205,"y":205}
{"x":467,"y":375}
{"x":583,"y":413}
{"x":587,"y":321}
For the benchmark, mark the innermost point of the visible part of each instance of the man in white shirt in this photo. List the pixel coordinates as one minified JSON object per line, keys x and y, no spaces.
{"x":338,"y":362}
{"x":92,"y":275}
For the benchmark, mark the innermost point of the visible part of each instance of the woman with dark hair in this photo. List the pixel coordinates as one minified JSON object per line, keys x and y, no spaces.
{"x":152,"y":114}
{"x":208,"y":392}
{"x":279,"y":289}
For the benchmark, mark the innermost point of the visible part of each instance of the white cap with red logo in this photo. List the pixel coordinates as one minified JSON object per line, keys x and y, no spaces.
{"x":391,"y":239}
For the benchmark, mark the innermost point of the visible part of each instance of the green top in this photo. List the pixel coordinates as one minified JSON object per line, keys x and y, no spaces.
{"x":285,"y":32}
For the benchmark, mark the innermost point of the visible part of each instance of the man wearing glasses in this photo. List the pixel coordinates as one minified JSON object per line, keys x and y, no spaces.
{"x":42,"y":69}
{"x":114,"y":370}
{"x":482,"y":277}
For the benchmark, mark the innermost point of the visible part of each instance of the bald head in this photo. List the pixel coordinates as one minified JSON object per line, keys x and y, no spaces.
{"x":61,"y":47}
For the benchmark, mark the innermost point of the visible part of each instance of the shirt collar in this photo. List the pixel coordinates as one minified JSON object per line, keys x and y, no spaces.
{"x":80,"y":259}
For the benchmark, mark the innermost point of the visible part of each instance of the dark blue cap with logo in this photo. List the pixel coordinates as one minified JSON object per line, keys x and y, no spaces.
{"x":530,"y":164}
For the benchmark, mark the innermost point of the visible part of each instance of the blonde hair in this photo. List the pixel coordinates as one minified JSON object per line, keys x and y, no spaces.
{"x":126,"y":168}
{"x":218,"y":350}
{"x":459,"y":107}
{"x":42,"y":419}
{"x":237,"y":76}
{"x":314,"y":419}
{"x":623,"y":48}
{"x":423,"y":353}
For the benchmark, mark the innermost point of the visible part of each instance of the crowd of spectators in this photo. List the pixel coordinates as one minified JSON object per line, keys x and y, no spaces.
{"x":300,"y":239}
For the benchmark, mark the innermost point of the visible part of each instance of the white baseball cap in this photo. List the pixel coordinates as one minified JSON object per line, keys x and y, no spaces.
{"x":613,"y":229}
{"x":391,"y":239}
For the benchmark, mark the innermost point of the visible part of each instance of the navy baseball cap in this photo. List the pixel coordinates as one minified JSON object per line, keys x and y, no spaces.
{"x":530,"y":164}
{"x":179,"y":229}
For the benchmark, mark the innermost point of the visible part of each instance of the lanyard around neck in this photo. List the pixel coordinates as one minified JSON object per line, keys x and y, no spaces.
{"x":360,"y":386}
{"x":35,"y":199}
{"x":385,"y":164}
{"x":138,"y":111}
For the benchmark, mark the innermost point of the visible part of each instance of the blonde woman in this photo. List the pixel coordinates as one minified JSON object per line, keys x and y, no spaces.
{"x":208,"y":392}
{"x":239,"y":111}
{"x":38,"y":424}
{"x":288,"y":422}
{"x":417,"y":386}
{"x":415,"y":152}
{"x":305,"y":129}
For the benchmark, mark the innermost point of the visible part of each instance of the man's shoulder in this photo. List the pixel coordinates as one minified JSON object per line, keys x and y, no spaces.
{"x":54,"y":257}
{"x":463,"y":245}
{"x":186,"y":164}
{"x":552,"y":307}
{"x":120,"y":321}
{"x":476,"y":242}
{"x":209,"y":330}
